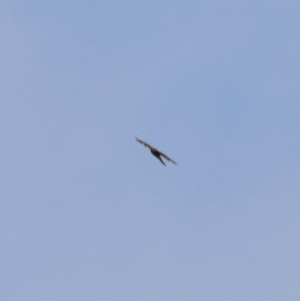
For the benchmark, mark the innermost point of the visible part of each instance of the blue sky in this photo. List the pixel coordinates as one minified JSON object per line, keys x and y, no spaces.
{"x":86,"y":213}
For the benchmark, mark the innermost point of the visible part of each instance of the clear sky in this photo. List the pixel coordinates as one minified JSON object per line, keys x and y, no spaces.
{"x":86,"y":213}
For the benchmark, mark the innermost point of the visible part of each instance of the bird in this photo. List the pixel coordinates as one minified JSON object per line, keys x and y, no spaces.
{"x":156,"y":153}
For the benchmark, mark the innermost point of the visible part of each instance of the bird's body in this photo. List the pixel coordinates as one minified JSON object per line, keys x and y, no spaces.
{"x":156,"y":153}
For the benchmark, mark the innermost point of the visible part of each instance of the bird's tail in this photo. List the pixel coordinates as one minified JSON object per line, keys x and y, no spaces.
{"x":161,"y":160}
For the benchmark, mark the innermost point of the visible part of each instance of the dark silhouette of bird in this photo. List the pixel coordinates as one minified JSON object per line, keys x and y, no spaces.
{"x":156,"y":153}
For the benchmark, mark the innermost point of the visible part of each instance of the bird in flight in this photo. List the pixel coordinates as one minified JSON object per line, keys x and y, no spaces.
{"x":155,"y":152}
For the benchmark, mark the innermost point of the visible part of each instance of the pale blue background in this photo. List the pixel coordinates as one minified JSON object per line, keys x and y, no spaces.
{"x":86,"y":213}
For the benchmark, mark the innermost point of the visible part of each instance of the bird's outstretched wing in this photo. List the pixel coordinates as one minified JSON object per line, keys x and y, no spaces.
{"x":144,"y":143}
{"x":159,"y":153}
